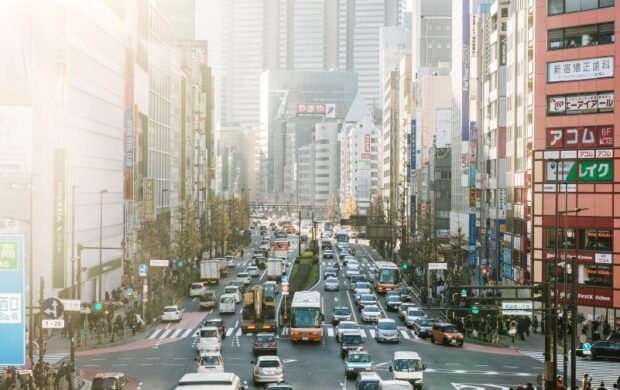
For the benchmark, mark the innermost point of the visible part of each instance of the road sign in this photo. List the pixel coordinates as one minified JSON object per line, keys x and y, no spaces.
{"x":463,"y":292}
{"x":12,"y":302}
{"x":53,"y":324}
{"x":159,"y":263}
{"x":437,"y":266}
{"x":142,"y":269}
{"x":284,"y":279}
{"x":522,"y":308}
{"x":587,"y":347}
{"x":72,"y":304}
{"x":475,"y":310}
{"x":52,"y":308}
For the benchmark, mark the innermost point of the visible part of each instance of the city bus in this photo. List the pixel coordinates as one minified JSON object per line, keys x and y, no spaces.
{"x":387,"y":276}
{"x":280,"y":247}
{"x":306,"y":316}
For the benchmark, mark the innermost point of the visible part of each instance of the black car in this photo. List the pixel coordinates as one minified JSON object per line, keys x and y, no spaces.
{"x":351,"y":341}
{"x":341,"y":313}
{"x":603,"y":350}
{"x":392,"y":302}
{"x":264,"y":344}
{"x":405,"y":293}
{"x":218,"y":323}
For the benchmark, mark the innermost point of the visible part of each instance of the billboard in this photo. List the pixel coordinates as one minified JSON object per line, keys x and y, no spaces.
{"x":465,"y":61}
{"x":581,"y":69}
{"x":149,"y":199}
{"x":580,"y":137}
{"x":12,"y":301}
{"x":316,"y":109}
{"x":59,"y":228}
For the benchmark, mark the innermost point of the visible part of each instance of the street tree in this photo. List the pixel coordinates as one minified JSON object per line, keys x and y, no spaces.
{"x":186,"y":239}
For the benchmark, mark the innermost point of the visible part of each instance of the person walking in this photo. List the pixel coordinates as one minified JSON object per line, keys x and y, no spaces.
{"x":586,"y":383}
{"x":602,"y":386}
{"x":512,"y":331}
{"x":559,"y":383}
{"x":535,"y":323}
{"x":583,"y":338}
{"x":527,"y":323}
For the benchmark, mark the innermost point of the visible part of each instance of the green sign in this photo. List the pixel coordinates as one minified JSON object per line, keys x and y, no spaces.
{"x":475,"y":310}
{"x":594,"y":171}
{"x":8,"y":255}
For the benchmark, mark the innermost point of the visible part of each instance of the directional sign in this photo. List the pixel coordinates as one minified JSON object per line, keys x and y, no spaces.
{"x":587,"y":347}
{"x":12,"y":302}
{"x":72,"y":304}
{"x":284,"y":278}
{"x":53,"y":324}
{"x":52,"y":308}
{"x":142,"y":269}
{"x":159,"y":263}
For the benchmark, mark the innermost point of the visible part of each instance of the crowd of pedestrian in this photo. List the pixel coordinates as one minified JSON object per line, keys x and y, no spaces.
{"x":42,"y":377}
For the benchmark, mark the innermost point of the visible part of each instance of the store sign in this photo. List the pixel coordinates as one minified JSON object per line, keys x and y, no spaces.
{"x":580,"y":103}
{"x":603,"y":258}
{"x":595,"y":171}
{"x":550,"y":187}
{"x":582,"y":69}
{"x":149,"y":199}
{"x":59,"y":224}
{"x":598,"y":297}
{"x":311,"y":109}
{"x":517,"y":308}
{"x":501,"y":203}
{"x":580,"y":137}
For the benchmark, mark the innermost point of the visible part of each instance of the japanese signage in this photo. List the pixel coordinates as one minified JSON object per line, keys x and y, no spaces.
{"x":12,"y":304}
{"x":517,"y":308}
{"x":366,"y":143}
{"x":581,"y":137}
{"x":582,"y":170}
{"x":59,"y":219}
{"x":501,"y":203}
{"x":582,"y":69}
{"x":584,"y":103}
{"x":465,"y":42}
{"x":16,"y":145}
{"x":149,"y":200}
{"x":503,"y":48}
{"x":315,"y":109}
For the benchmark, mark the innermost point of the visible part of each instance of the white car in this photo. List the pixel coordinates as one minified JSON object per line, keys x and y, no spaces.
{"x":233,"y":290}
{"x":352,"y":270}
{"x":210,"y":362}
{"x":371,"y":313}
{"x":230,"y":262}
{"x":343,"y":326}
{"x":253,"y":271}
{"x":331,"y":284}
{"x":413,"y":314}
{"x":197,"y":289}
{"x":245,"y":277}
{"x":209,"y":339}
{"x":172,"y":313}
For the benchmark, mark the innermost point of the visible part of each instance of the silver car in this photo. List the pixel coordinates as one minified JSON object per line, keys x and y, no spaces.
{"x":268,"y":369}
{"x":331,"y":284}
{"x":371,"y":313}
{"x":343,"y":326}
{"x":387,"y":330}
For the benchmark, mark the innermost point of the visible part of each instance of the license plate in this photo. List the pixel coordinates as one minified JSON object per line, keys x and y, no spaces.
{"x":453,"y":341}
{"x":305,"y":338}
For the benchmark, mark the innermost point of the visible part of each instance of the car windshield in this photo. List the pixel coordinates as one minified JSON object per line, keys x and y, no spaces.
{"x":393,"y":298}
{"x":331,"y":279}
{"x":208,"y":333}
{"x":387,"y":325}
{"x":104,"y":384}
{"x":265,"y":338}
{"x":415,"y":313}
{"x":227,"y":299}
{"x":371,"y":309}
{"x":425,"y":322}
{"x":231,"y":290}
{"x":368,"y":297}
{"x":347,"y":325}
{"x":212,"y":360}
{"x":358,"y":358}
{"x":269,"y":363}
{"x":196,"y":286}
{"x":408,"y":365}
{"x":369,"y":386}
{"x":342,"y":311}
{"x":450,"y":329}
{"x":306,"y":317}
{"x":389,"y":276}
{"x":170,"y":309}
{"x":354,"y":339}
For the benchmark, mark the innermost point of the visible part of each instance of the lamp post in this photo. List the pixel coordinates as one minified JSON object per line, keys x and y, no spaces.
{"x":554,"y":315}
{"x":101,"y":192}
{"x":573,"y":304}
{"x":73,"y":292}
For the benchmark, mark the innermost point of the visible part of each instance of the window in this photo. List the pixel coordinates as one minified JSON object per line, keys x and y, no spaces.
{"x":562,"y":239}
{"x":581,"y":36}
{"x":595,"y":240}
{"x":557,"y":7}
{"x":595,"y":275}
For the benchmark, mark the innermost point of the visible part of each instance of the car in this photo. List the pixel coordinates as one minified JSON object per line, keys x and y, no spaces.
{"x":264,"y":344}
{"x":360,"y":284}
{"x":331,"y":284}
{"x":344,"y":326}
{"x":368,"y":380}
{"x":392,"y":302}
{"x":402,"y":309}
{"x":211,"y":380}
{"x":245,"y":277}
{"x":407,"y":366}
{"x":253,"y":271}
{"x":328,"y":254}
{"x":197,"y":289}
{"x":603,"y":349}
{"x":218,"y":323}
{"x":230,"y":262}
{"x":234,"y":290}
{"x":359,"y":278}
{"x":240,"y":283}
{"x":271,"y":285}
{"x":172,"y":313}
{"x":110,"y":381}
{"x":209,"y":362}
{"x":359,"y":293}
{"x":406,"y":294}
{"x":279,"y":386}
{"x":387,"y":331}
{"x":446,"y":334}
{"x":351,"y":341}
{"x":267,"y":369}
{"x":209,"y":339}
{"x":614,"y":337}
{"x":413,"y":314}
{"x":422,"y":327}
{"x":341,"y":313}
{"x":352,"y":270}
{"x":365,"y":300}
{"x":371,"y":313}
{"x":356,"y":362}
{"x":329,"y":271}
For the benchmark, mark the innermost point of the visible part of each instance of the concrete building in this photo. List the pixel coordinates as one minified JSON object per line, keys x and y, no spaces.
{"x":292,"y":103}
{"x":391,"y":144}
{"x":573,"y":158}
{"x":305,"y":174}
{"x":431,"y":34}
{"x":326,"y":163}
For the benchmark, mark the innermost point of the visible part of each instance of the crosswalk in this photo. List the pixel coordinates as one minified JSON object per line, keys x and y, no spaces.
{"x":599,"y":370}
{"x":330,"y":332}
{"x":170,"y":334}
{"x":55,"y":358}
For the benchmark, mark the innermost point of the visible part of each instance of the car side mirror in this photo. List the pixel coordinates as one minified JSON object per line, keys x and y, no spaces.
{"x":391,"y":369}
{"x":424,"y":366}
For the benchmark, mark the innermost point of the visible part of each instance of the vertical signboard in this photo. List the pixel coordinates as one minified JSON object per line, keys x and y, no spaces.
{"x":412,"y":166}
{"x":12,"y":304}
{"x":465,"y":69}
{"x":59,"y":227}
{"x":129,"y":147}
{"x":149,"y":199}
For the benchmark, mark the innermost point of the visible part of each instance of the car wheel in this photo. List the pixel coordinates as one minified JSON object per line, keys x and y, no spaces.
{"x":592,"y":356}
{"x":461,"y":344}
{"x":432,"y":340}
{"x":445,"y":341}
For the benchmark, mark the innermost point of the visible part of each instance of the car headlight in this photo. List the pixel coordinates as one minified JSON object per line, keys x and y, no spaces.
{"x":449,"y":337}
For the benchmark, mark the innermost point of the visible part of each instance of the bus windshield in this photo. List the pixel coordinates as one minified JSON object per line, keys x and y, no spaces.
{"x":388,"y":276}
{"x":306,"y":317}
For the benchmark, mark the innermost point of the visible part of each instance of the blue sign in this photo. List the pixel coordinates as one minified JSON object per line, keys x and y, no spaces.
{"x":463,"y":293}
{"x":12,"y":302}
{"x":284,"y":278}
{"x":587,"y":347}
{"x":143,"y":268}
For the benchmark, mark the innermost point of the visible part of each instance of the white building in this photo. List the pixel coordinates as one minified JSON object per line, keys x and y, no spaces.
{"x":305,"y":174}
{"x":326,"y":163}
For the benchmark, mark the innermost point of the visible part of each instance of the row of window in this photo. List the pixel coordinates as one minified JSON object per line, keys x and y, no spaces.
{"x":581,"y":36}
{"x":594,"y":275}
{"x":591,"y":239}
{"x":556,"y":7}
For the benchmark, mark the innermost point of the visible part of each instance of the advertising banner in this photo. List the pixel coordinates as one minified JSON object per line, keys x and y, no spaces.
{"x":12,"y":301}
{"x":149,"y":199}
{"x":581,"y":69}
{"x":59,"y":227}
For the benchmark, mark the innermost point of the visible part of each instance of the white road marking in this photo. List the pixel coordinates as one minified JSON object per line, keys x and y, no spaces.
{"x":239,"y":331}
{"x":372,"y":333}
{"x":187,"y":332}
{"x":229,"y":331}
{"x":405,"y":334}
{"x":176,"y":333}
{"x":363,"y":333}
{"x":154,"y":334}
{"x":330,"y":332}
{"x":165,"y":334}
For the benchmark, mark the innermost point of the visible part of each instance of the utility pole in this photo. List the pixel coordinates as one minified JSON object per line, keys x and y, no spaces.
{"x":40,"y":320}
{"x":299,"y":236}
{"x":573,"y":322}
{"x":549,"y":379}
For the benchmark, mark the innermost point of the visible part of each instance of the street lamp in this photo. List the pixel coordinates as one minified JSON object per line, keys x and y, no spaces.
{"x":101,"y":192}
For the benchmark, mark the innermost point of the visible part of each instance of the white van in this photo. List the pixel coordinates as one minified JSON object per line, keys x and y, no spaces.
{"x":227,"y":303}
{"x":213,"y":381}
{"x":233,"y":290}
{"x":396,"y":385}
{"x":408,"y":366}
{"x":209,"y":339}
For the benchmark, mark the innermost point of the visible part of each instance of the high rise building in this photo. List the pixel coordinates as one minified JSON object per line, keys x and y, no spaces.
{"x":326,"y":163}
{"x":574,"y":159}
{"x":431,"y":34}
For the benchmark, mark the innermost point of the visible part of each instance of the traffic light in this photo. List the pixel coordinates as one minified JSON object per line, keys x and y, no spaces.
{"x":404,"y":265}
{"x":98,"y":307}
{"x":475,"y":310}
{"x":180,"y":263}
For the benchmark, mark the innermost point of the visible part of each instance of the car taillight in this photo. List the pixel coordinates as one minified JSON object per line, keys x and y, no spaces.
{"x":273,"y":345}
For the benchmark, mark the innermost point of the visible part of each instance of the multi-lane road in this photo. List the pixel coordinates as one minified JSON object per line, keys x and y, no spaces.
{"x":167,"y":351}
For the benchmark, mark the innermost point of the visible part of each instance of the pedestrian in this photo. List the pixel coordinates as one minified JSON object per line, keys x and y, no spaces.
{"x":521,"y":328}
{"x":49,"y":382}
{"x":512,"y":330}
{"x":559,"y":383}
{"x":602,"y":386}
{"x":586,"y":383}
{"x":535,"y":323}
{"x":530,"y":387}
{"x":528,"y":323}
{"x":617,"y":384}
{"x":583,"y":338}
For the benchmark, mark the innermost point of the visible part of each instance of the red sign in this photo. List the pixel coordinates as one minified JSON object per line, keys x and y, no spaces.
{"x":589,"y":296}
{"x":582,"y":257}
{"x":367,"y":143}
{"x":580,"y":137}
